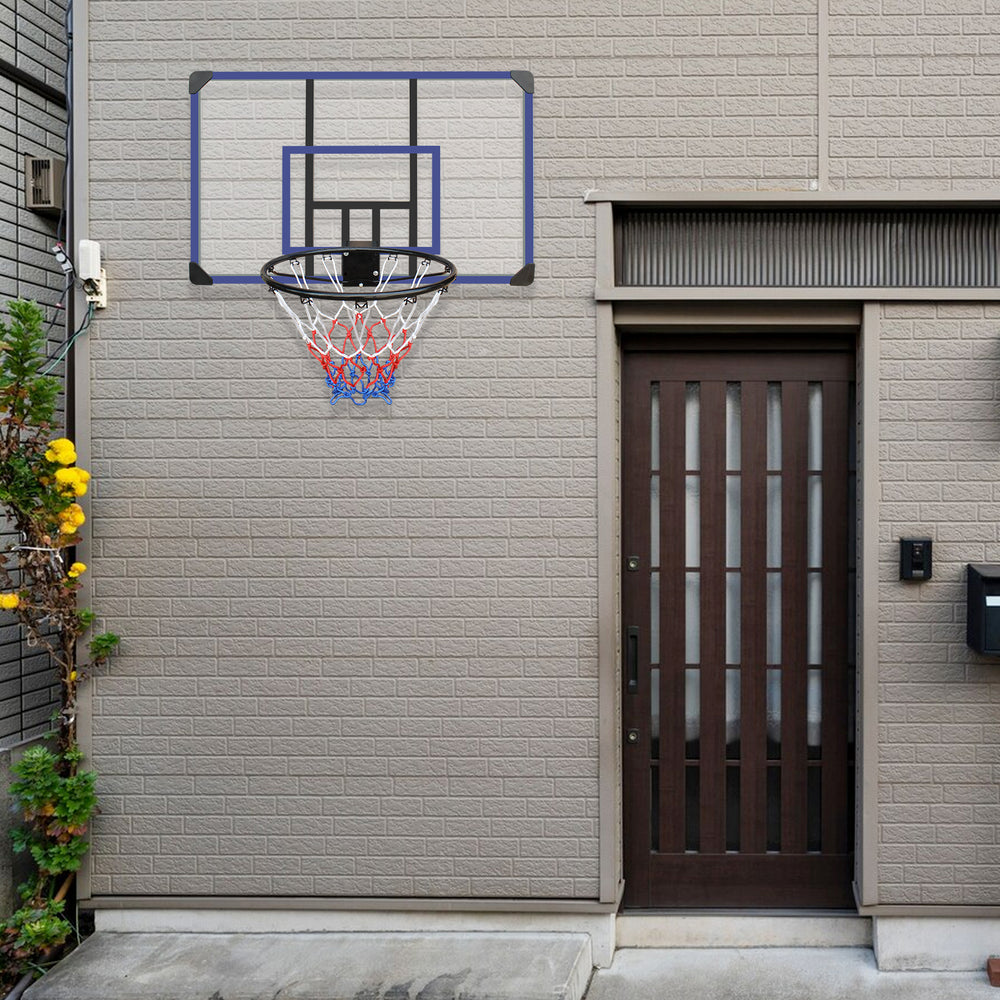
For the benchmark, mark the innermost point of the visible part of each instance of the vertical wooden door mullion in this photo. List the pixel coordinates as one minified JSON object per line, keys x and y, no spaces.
{"x":713,"y":617}
{"x":794,"y":420}
{"x":835,"y":828}
{"x":672,"y":616}
{"x":753,"y":535}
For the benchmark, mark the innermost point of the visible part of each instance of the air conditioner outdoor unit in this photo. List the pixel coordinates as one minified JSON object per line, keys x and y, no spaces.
{"x":43,"y":183}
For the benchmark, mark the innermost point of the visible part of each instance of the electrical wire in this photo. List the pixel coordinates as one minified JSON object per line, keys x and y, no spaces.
{"x":17,"y":148}
{"x":59,"y":304}
{"x":68,"y":91}
{"x":60,"y":355}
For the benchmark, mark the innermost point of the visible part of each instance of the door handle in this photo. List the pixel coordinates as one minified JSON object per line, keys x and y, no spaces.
{"x":632,"y":659}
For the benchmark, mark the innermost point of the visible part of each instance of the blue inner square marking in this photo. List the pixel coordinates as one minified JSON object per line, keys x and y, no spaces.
{"x":287,"y":152}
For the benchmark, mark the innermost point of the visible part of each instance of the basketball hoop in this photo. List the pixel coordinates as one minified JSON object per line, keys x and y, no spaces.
{"x":362,"y":308}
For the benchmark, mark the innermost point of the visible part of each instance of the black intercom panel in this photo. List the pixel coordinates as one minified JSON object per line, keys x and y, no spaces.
{"x":914,"y":559}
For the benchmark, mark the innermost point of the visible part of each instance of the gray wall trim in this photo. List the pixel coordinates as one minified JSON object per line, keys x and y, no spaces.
{"x":79,"y":228}
{"x":662,"y":293}
{"x":380,"y":904}
{"x":609,"y":766}
{"x":604,"y":220}
{"x":986,"y":198}
{"x":738,"y":317}
{"x":608,"y":505}
{"x":823,"y":94}
{"x":40,"y":87}
{"x":929,"y":910}
{"x":735,"y":293}
{"x":866,"y":737}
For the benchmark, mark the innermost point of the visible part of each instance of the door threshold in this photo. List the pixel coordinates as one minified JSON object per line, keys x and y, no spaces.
{"x":742,"y":929}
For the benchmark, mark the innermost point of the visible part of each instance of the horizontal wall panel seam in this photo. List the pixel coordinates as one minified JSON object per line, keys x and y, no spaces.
{"x":807,"y":248}
{"x":32,"y":82}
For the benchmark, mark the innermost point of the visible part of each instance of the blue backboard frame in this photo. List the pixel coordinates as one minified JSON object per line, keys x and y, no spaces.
{"x":522,"y":276}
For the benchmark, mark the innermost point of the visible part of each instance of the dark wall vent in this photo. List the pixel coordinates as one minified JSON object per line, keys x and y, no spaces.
{"x":807,"y":248}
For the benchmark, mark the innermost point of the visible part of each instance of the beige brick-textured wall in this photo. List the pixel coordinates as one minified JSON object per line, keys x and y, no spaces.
{"x":939,"y":703}
{"x":360,"y":652}
{"x":361,"y":644}
{"x":914,"y":94}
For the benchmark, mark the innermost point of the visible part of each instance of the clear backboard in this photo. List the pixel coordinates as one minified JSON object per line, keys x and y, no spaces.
{"x":438,"y":162}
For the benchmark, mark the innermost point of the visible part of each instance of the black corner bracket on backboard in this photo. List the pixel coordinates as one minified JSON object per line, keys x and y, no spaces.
{"x":198,"y":79}
{"x":524,"y":79}
{"x":197,"y":274}
{"x":525,"y":276}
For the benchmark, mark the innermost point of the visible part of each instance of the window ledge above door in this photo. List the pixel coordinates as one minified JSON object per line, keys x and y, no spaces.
{"x":714,"y":293}
{"x":798,"y":199}
{"x":797,"y":246}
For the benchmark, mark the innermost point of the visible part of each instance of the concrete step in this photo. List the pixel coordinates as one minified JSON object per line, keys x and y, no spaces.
{"x":743,"y":930}
{"x":322,"y":966}
{"x":773,"y":974}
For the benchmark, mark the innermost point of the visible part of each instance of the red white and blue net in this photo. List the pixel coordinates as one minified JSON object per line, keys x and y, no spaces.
{"x":360,"y":339}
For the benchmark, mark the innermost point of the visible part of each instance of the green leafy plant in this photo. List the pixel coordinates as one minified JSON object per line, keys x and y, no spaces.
{"x":40,"y":484}
{"x":34,"y":930}
{"x":56,"y":808}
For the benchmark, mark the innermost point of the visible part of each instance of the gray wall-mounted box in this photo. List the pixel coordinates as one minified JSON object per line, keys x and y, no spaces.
{"x":983,"y":610}
{"x":43,"y":183}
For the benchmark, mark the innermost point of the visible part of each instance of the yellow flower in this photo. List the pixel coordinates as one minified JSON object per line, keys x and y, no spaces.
{"x":72,"y":515}
{"x":76,"y":569}
{"x":71,"y":518}
{"x":61,"y":450}
{"x":72,"y":675}
{"x":9,"y":601}
{"x":74,"y":481}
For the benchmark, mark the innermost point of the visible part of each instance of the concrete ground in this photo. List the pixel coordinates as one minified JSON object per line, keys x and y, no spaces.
{"x":773,"y":974}
{"x":471,"y":966}
{"x":321,"y":966}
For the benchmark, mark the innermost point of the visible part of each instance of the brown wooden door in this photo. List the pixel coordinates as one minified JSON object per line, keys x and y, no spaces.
{"x":737,"y":592}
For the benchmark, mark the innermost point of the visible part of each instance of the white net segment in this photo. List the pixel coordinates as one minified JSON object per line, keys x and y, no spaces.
{"x":357,"y":341}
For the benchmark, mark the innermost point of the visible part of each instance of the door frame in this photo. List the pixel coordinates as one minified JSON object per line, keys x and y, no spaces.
{"x":614,"y":320}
